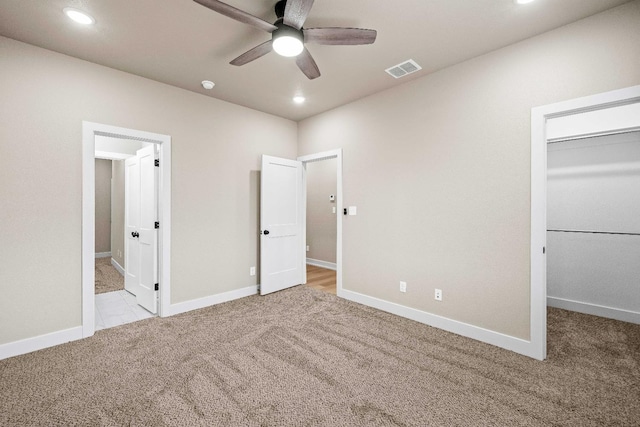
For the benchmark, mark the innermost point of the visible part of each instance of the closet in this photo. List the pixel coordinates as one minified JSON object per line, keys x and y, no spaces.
{"x":593,"y":224}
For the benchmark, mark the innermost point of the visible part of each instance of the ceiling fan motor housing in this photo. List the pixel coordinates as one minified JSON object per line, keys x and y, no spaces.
{"x":286,"y":31}
{"x":280,"y":6}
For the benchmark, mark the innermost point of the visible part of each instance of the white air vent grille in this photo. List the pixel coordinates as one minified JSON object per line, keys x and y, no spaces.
{"x":403,"y":69}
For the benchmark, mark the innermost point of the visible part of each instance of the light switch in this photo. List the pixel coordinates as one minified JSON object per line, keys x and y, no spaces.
{"x":353,"y":210}
{"x":334,"y":209}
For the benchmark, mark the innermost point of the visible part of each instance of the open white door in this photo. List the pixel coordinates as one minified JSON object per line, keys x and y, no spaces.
{"x":147,"y":239}
{"x":281,"y":255}
{"x":132,"y":225}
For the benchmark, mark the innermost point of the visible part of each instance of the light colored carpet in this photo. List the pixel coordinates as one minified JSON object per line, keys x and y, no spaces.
{"x":107,"y":277}
{"x":302,"y":357}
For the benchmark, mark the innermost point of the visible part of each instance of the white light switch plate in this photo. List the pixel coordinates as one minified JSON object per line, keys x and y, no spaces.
{"x":353,"y":210}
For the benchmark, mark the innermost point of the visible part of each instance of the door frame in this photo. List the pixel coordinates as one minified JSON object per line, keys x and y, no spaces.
{"x":89,"y":131}
{"x":537,"y":347}
{"x":325,"y":155}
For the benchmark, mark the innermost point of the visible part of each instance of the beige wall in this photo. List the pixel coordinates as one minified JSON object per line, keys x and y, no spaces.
{"x":321,"y":221}
{"x":117,"y":212}
{"x":103,"y":206}
{"x":216,"y":148}
{"x":439,"y":169}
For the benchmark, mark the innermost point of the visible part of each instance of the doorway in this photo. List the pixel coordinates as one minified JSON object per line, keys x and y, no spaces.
{"x":321,"y":230}
{"x":283,"y":221}
{"x":93,"y":133}
{"x":614,"y":112}
{"x":323,"y":171}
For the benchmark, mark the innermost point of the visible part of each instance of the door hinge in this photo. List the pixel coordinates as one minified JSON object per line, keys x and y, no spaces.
{"x":157,"y":225}
{"x":156,"y":287}
{"x":544,"y":249}
{"x":157,"y":162}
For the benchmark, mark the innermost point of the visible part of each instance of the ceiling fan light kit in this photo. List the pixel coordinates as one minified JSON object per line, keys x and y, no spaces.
{"x":287,"y":41}
{"x":288,"y":36}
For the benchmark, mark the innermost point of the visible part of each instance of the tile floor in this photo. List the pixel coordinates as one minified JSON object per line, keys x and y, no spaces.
{"x":117,"y":308}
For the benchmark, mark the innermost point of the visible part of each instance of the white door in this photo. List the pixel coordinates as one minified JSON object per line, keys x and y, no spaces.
{"x":141,"y":248}
{"x":147,"y":239}
{"x":281,"y":255}
{"x":132,"y":225}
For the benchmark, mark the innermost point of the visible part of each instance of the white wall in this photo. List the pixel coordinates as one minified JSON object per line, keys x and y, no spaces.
{"x":594,"y":185}
{"x":439,"y":169}
{"x":321,"y":221}
{"x":117,"y":212}
{"x":103,"y":206}
{"x":216,"y":149}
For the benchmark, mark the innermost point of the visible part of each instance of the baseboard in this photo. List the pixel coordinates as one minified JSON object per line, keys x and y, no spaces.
{"x":507,"y":342}
{"x":594,"y":309}
{"x":28,"y":345}
{"x":324,"y":264}
{"x":103,"y":254}
{"x":195,"y":304}
{"x":117,"y":266}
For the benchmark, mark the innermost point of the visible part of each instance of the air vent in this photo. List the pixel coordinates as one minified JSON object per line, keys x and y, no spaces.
{"x":403,"y":69}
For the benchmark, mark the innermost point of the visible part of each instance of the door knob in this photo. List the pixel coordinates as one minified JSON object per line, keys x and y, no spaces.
{"x":135,"y":234}
{"x":266,"y":232}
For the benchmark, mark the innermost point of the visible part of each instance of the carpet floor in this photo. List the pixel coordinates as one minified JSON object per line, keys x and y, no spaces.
{"x":107,"y":277}
{"x":301,"y":357}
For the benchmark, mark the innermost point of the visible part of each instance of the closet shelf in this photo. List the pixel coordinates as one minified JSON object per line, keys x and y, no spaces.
{"x":595,"y":232}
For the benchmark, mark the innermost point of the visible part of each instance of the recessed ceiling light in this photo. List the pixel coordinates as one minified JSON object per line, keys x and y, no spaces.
{"x":523,"y":1}
{"x":207,"y":84}
{"x":298,"y":99}
{"x":79,"y":16}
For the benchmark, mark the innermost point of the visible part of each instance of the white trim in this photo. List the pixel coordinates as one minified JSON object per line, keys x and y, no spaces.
{"x":108,"y":155}
{"x":103,"y":254}
{"x":16,"y":348}
{"x":322,"y":264}
{"x":475,"y":332}
{"x":89,"y":132}
{"x":595,"y":309}
{"x":539,"y":117}
{"x":325,"y":155}
{"x":195,"y":304}
{"x":117,"y":266}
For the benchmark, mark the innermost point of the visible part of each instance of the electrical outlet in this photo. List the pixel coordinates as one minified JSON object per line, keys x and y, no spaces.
{"x":307,"y":248}
{"x":403,"y":286}
{"x":438,"y":295}
{"x":252,"y":271}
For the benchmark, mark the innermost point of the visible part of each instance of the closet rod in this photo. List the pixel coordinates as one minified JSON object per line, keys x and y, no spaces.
{"x":595,"y":232}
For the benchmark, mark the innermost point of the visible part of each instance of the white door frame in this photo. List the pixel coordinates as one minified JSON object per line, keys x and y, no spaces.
{"x":537,"y":347}
{"x":325,"y":155}
{"x":89,"y":132}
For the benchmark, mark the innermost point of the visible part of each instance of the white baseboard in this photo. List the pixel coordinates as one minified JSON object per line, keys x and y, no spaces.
{"x":507,"y":342}
{"x":594,"y":309}
{"x":323,"y":264}
{"x":103,"y":254}
{"x":195,"y":304}
{"x":117,"y":266}
{"x":28,"y":345}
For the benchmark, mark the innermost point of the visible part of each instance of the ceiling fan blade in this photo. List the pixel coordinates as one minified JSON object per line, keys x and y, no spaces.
{"x":296,"y":12}
{"x":307,"y":65}
{"x":237,"y":14}
{"x":253,"y":54}
{"x":339,"y":36}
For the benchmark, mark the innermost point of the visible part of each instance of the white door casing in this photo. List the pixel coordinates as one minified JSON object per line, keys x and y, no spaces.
{"x":132,"y":224}
{"x":281,"y":219}
{"x":148,"y":235}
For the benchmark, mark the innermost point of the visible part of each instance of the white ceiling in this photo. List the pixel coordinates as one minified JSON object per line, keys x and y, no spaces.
{"x":181,"y":43}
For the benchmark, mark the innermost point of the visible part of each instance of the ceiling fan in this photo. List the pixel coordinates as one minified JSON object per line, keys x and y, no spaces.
{"x":288,"y":36}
